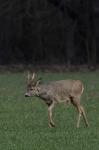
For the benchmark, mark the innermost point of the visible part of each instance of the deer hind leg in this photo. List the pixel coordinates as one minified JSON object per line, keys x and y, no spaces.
{"x":50,"y":120}
{"x":79,"y":115}
{"x":84,"y":116}
{"x":81,"y":111}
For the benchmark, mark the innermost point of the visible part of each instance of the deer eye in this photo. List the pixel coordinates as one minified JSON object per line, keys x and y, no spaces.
{"x":31,"y":89}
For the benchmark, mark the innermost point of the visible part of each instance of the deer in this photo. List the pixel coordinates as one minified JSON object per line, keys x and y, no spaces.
{"x":54,"y":92}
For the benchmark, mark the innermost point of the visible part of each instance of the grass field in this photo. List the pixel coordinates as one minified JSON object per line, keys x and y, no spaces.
{"x":23,"y":121}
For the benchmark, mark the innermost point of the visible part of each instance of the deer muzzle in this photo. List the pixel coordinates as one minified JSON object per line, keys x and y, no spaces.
{"x":27,"y":95}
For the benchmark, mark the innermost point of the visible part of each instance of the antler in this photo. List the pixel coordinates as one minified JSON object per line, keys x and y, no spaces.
{"x":33,"y":76}
{"x":38,"y":82}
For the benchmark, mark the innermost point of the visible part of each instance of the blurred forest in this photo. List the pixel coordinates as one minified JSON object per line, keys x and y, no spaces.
{"x":49,"y":32}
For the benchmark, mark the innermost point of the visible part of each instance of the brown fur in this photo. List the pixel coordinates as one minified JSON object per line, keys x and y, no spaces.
{"x":62,"y":91}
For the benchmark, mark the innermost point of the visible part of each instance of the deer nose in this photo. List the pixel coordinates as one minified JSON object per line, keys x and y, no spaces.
{"x":26,"y":95}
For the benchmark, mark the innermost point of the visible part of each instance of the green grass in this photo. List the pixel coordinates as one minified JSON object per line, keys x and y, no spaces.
{"x":23,"y":121}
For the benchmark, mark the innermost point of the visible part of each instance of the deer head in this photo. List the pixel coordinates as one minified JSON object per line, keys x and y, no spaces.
{"x":32,"y":85}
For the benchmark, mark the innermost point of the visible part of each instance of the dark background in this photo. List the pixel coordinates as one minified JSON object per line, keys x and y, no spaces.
{"x":49,"y":32}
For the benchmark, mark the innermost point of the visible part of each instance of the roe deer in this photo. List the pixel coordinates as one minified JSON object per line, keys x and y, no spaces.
{"x":53,"y":92}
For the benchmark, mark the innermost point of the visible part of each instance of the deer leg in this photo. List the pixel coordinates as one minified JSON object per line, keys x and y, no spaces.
{"x":82,"y":113}
{"x":79,"y":116}
{"x":50,"y":108}
{"x":84,"y":116}
{"x":76,"y":102}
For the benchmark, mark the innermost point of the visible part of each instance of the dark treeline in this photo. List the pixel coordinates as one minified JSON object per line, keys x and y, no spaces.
{"x":49,"y":32}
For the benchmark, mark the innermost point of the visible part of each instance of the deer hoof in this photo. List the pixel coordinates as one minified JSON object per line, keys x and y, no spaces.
{"x":87,"y":125}
{"x":51,"y":125}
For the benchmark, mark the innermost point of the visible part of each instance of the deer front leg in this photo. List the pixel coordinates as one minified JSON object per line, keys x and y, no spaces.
{"x":50,"y":120}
